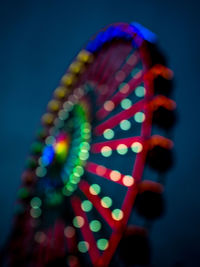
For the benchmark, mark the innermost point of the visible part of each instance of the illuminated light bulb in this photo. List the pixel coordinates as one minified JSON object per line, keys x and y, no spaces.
{"x":95,"y":189}
{"x":68,"y":79}
{"x":35,"y":202}
{"x":83,"y":155}
{"x":122,"y":149}
{"x":109,"y":105}
{"x":132,"y":60}
{"x":134,"y":72}
{"x":53,"y":130}
{"x":117,"y":214}
{"x":75,"y":180}
{"x":79,"y":91}
{"x":106,"y":151}
{"x":79,"y":169}
{"x":125,"y":125}
{"x":36,"y":147}
{"x":115,"y":176}
{"x":60,"y":148}
{"x":40,"y":237}
{"x":73,"y":98}
{"x":85,"y":56}
{"x":106,"y":202}
{"x":47,"y":156}
{"x":86,"y":130}
{"x":77,"y":161}
{"x":86,"y":136}
{"x":108,"y":134}
{"x":76,"y":67}
{"x":124,"y":88}
{"x":85,"y":145}
{"x":136,"y":147}
{"x":140,"y":91}
{"x":100,"y":170}
{"x":71,"y":177}
{"x":86,"y":205}
{"x":126,"y":103}
{"x":87,"y":125}
{"x":139,"y":117}
{"x":95,"y":226}
{"x":70,"y":187}
{"x":72,"y":261}
{"x":69,"y":231}
{"x":42,"y":133}
{"x":58,"y":123}
{"x":63,"y":114}
{"x":23,"y":192}
{"x":128,"y":180}
{"x":60,"y":92}
{"x":138,"y":74}
{"x":50,"y":140}
{"x":68,"y":105}
{"x":48,"y":118}
{"x":83,"y":246}
{"x":102,"y":244}
{"x":41,"y":171}
{"x":78,"y":221}
{"x":66,"y":192}
{"x":28,"y":177}
{"x":31,"y":163}
{"x":35,"y":212}
{"x":120,"y":76}
{"x":54,"y":105}
{"x":76,"y":174}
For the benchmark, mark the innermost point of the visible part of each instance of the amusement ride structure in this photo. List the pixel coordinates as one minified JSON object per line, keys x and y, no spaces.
{"x":93,"y":181}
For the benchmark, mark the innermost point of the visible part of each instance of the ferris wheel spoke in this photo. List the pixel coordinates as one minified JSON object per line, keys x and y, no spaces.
{"x":71,"y":239}
{"x":115,"y":144}
{"x":129,"y":87}
{"x":107,"y":254}
{"x":85,"y":230}
{"x":109,"y":174}
{"x":115,"y":64}
{"x":125,"y":91}
{"x":112,"y":66}
{"x":116,"y":119}
{"x":100,"y":58}
{"x":49,"y":253}
{"x":96,"y":201}
{"x":130,"y":62}
{"x":102,"y":67}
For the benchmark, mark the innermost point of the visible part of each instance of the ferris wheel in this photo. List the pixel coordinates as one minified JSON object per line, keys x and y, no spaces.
{"x":93,"y":176}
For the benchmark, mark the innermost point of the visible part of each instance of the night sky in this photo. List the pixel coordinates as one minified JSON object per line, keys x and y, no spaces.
{"x":38,"y":40}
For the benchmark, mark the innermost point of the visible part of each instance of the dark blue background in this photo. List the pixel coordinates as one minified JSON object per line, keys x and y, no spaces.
{"x":38,"y":39}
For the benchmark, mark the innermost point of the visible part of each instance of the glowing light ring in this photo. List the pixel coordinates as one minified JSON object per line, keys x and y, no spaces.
{"x":65,"y":141}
